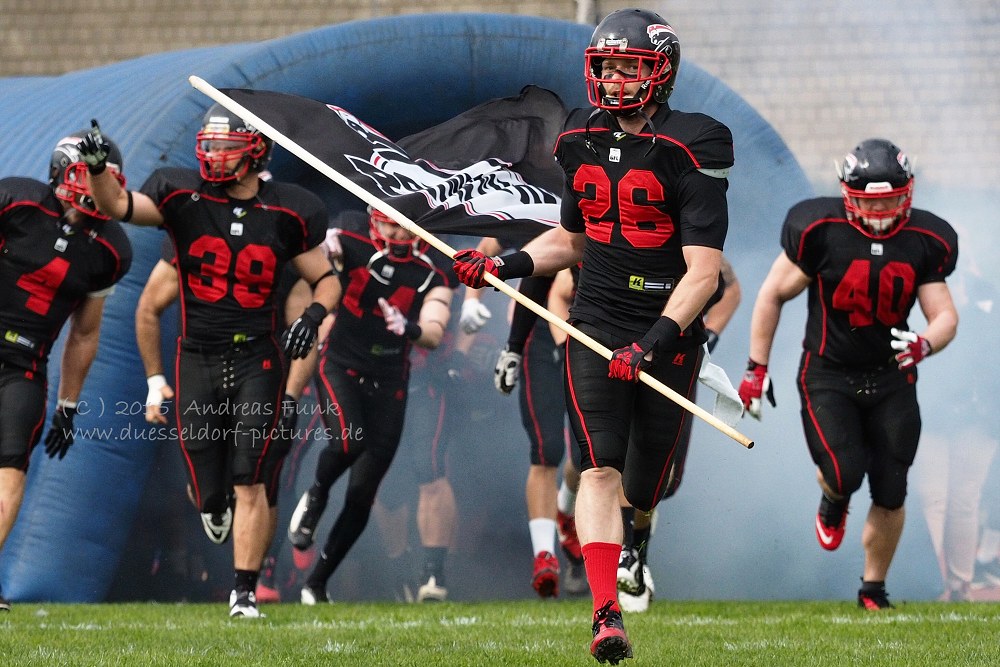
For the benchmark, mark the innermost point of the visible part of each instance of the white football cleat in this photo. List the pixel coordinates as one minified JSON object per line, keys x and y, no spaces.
{"x":638,"y":603}
{"x":243,"y":605}
{"x":218,"y":526}
{"x":312,"y":596}
{"x":431,"y":592}
{"x":628,"y":571}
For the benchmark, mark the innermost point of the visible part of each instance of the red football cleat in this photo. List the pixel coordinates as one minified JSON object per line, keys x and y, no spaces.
{"x":831,"y":519}
{"x":304,"y":560}
{"x":568,"y":540}
{"x":545,"y":579}
{"x":610,"y":642}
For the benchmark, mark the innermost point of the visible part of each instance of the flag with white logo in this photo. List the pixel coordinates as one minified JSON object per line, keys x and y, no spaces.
{"x":486,"y":172}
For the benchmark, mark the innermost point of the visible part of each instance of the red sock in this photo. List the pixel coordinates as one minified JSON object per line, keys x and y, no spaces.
{"x":601,"y":562}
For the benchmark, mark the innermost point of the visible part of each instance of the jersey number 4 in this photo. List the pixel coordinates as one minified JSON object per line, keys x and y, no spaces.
{"x":893,"y":291}
{"x":642,"y":225}
{"x":42,"y":284}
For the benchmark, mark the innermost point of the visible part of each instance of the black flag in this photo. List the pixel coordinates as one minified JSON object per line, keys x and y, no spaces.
{"x":476,"y":193}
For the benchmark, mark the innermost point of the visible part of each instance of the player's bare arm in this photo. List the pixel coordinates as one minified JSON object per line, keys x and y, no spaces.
{"x":315,"y":268}
{"x":939,"y":310}
{"x":301,"y":371}
{"x":784,"y":281}
{"x":696,"y":287}
{"x":554,"y":250}
{"x":560,"y":299}
{"x":717,"y":317}
{"x":81,"y":347}
{"x":160,"y":291}
{"x":434,"y":316}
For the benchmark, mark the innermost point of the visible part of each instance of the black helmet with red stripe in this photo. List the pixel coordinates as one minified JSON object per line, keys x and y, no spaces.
{"x":229,"y":148}
{"x":876,"y":180}
{"x":644,"y":37}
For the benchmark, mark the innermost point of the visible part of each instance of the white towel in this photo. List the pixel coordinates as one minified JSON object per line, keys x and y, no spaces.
{"x":728,"y":406}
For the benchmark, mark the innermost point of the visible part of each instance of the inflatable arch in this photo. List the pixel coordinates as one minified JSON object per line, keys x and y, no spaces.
{"x":77,"y":513}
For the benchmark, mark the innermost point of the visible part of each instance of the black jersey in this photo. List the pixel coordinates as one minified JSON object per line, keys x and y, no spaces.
{"x":231,"y":252}
{"x":47,"y":268}
{"x":286,"y":281}
{"x":862,"y":286}
{"x":359,"y":339}
{"x":640,"y":199}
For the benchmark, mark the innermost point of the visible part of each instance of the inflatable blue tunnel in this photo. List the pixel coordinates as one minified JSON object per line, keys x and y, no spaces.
{"x":400,"y":75}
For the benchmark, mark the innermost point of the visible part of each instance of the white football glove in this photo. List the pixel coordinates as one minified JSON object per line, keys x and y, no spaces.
{"x":474,"y":315}
{"x":332,"y":242}
{"x":911,"y":348}
{"x":395,"y":321}
{"x":507,"y":370}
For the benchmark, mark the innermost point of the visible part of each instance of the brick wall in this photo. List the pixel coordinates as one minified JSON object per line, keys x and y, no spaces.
{"x":825,"y":75}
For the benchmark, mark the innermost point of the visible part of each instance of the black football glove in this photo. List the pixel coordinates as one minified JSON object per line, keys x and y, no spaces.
{"x":298,"y":339}
{"x":713,"y":340}
{"x":94,"y":149}
{"x":289,"y":413}
{"x":60,"y":436}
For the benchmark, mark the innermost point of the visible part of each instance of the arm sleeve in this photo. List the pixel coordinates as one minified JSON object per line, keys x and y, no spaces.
{"x":535,"y":288}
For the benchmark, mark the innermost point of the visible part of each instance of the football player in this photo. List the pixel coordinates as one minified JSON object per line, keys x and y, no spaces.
{"x":233,"y":233}
{"x":61,"y":260}
{"x":866,"y":258}
{"x":160,"y":291}
{"x":645,"y":208}
{"x":531,"y":351}
{"x":390,"y":297}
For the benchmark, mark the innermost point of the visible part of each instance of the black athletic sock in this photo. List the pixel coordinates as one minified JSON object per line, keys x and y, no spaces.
{"x":872,"y":586}
{"x":434,"y":563}
{"x":640,"y":537}
{"x":628,"y":517}
{"x":245,"y":580}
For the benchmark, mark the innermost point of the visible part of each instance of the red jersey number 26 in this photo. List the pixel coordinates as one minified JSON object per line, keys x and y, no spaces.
{"x":642,"y":225}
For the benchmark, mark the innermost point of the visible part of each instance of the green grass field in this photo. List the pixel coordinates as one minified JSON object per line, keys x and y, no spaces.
{"x":527,"y":632}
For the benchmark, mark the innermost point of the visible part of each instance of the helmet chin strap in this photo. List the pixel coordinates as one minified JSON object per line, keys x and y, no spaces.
{"x":638,"y":111}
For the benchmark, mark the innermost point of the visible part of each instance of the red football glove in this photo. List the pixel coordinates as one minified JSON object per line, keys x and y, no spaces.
{"x":471,"y":266}
{"x":756,"y":384}
{"x":626,"y":362}
{"x":912,"y":348}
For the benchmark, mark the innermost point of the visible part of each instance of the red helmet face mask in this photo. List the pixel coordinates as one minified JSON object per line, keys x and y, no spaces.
{"x":228,"y":149}
{"x":646,"y":52}
{"x":876,"y":181}
{"x":395,"y":249}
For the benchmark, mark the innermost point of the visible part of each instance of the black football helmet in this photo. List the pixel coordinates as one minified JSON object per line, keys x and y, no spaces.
{"x":396,"y":249}
{"x":876,"y":180}
{"x":223,"y":138}
{"x":641,"y":35}
{"x":68,"y":173}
